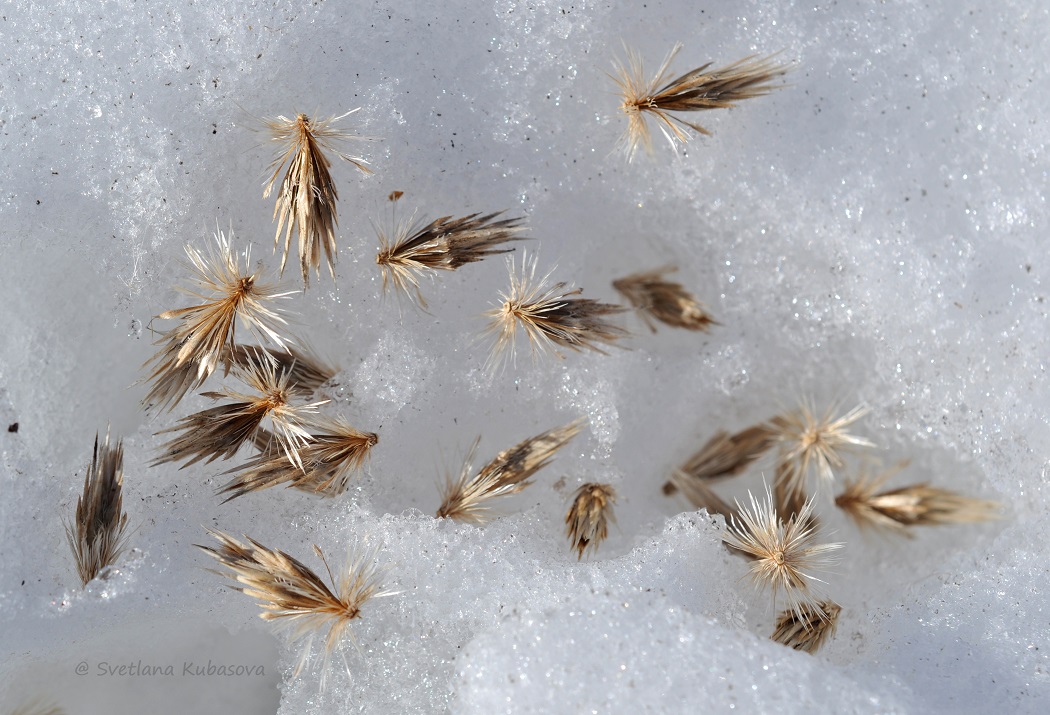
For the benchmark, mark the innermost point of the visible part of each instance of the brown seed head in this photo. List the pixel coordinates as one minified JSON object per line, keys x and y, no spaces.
{"x":782,"y":554}
{"x":306,"y":201}
{"x":98,"y":534}
{"x":815,"y":444}
{"x":587,"y":523}
{"x":193,"y":349}
{"x":897,"y":510}
{"x":551,"y":316}
{"x":332,"y":454}
{"x":293,"y":594}
{"x":657,"y":299}
{"x":698,"y":90}
{"x":808,"y":627}
{"x":413,"y":249}
{"x":218,"y":432}
{"x":464,"y":499}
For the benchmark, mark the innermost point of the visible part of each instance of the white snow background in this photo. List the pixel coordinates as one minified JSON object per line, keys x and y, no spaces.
{"x":873,"y":232}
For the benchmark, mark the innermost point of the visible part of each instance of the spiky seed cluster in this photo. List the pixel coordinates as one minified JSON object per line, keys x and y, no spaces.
{"x":465,"y":498}
{"x":782,"y":553}
{"x":193,"y":349}
{"x":218,"y":432}
{"x":551,"y":316}
{"x":98,"y":534}
{"x":897,"y":510}
{"x":306,"y":371}
{"x":812,"y":444}
{"x":330,"y":456}
{"x":306,"y":201}
{"x":290,"y":592}
{"x":809,"y":627}
{"x":657,"y":299}
{"x":587,"y":523}
{"x":444,"y":244}
{"x":697,"y":90}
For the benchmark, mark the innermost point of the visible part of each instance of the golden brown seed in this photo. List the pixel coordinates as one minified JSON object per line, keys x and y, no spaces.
{"x":808,"y":627}
{"x":701,"y":89}
{"x":98,"y":534}
{"x":465,"y":498}
{"x":587,"y":523}
{"x":656,"y":299}
{"x":306,"y":201}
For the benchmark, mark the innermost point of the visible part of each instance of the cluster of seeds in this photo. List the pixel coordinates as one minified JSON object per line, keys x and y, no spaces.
{"x":294,"y":443}
{"x":780,"y":535}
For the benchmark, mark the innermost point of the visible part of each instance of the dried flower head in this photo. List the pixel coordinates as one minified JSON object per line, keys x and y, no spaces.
{"x":808,"y":627}
{"x":724,"y":455}
{"x":464,"y":498}
{"x":193,"y":349}
{"x":290,"y":592}
{"x":306,"y":371}
{"x":815,"y":444}
{"x":782,"y":554}
{"x":306,"y":202}
{"x":330,"y":457}
{"x":587,"y":523}
{"x":657,"y":299}
{"x":221,"y":430}
{"x":413,"y":249}
{"x":697,"y":90}
{"x":98,"y":534}
{"x":897,"y":510}
{"x":551,"y":316}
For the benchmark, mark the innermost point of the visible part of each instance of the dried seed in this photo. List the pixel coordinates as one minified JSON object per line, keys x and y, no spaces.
{"x":657,"y":299}
{"x":464,"y":498}
{"x":551,"y":316}
{"x":587,"y":523}
{"x":293,"y":594}
{"x":98,"y":534}
{"x":697,"y":90}
{"x":306,"y":201}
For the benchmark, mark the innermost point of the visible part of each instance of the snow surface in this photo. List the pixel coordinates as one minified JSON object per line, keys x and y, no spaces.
{"x":873,"y":232}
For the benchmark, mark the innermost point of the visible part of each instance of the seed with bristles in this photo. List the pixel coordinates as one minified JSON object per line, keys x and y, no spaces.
{"x":330,"y":456}
{"x":306,"y":201}
{"x":98,"y":534}
{"x":897,"y":510}
{"x":465,"y":498}
{"x":192,"y":350}
{"x":815,"y":444}
{"x":697,"y":90}
{"x":587,"y":523}
{"x":724,"y":455}
{"x":415,"y":249}
{"x":552,"y":317}
{"x":293,"y":594}
{"x":782,"y":554}
{"x":218,"y":432}
{"x":657,"y":299}
{"x":808,"y":627}
{"x":307,"y":372}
